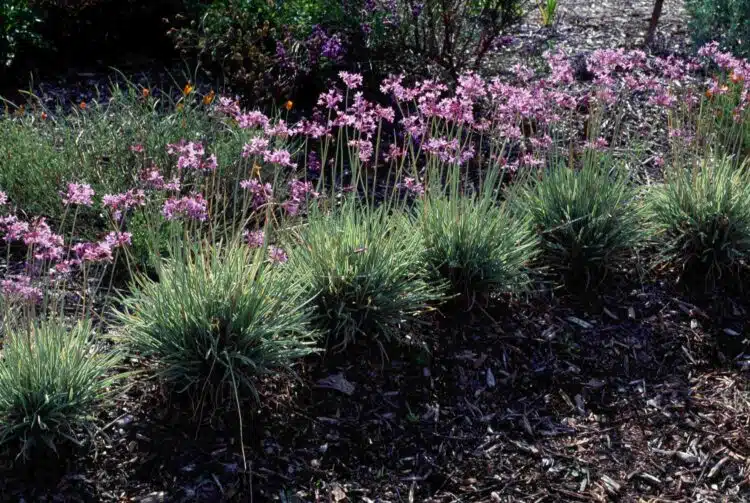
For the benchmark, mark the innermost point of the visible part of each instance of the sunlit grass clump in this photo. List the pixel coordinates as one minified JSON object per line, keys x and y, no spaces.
{"x":701,"y":219}
{"x":216,"y":318}
{"x":365,"y":270}
{"x":52,"y":383}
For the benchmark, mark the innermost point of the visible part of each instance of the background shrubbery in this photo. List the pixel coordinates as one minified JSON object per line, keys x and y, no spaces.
{"x":726,"y":21}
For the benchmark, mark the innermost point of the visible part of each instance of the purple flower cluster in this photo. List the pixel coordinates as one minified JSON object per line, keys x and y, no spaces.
{"x":192,"y":155}
{"x":20,"y":289}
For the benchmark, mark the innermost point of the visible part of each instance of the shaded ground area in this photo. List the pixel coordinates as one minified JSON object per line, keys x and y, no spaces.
{"x":642,"y":398}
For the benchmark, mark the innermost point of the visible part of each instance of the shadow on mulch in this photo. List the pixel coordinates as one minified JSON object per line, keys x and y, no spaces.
{"x":639,"y":395}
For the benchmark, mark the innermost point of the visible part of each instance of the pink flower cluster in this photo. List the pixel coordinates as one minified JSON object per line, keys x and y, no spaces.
{"x":298,"y":192}
{"x":261,"y":193}
{"x":192,"y":207}
{"x":20,"y":289}
{"x":192,"y":155}
{"x":119,"y":203}
{"x":79,"y":194}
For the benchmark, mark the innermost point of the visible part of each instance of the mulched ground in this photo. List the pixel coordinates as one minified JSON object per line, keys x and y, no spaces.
{"x":637,"y":395}
{"x":641,"y":396}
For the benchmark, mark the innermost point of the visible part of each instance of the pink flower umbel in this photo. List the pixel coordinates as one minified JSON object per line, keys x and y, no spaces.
{"x":46,"y":244}
{"x":351,"y":80}
{"x":78,"y":194}
{"x":262,"y":193}
{"x":257,"y":146}
{"x":277,"y":255}
{"x":3,"y":198}
{"x":255,"y":239}
{"x":192,"y":207}
{"x":119,"y":203}
{"x":137,"y":148}
{"x":118,"y":239}
{"x":93,"y":252}
{"x":20,"y":289}
{"x":413,"y":186}
{"x":280,"y":157}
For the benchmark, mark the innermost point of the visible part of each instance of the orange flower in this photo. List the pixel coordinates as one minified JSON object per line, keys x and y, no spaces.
{"x":145,"y":92}
{"x":44,"y":116}
{"x":180,"y":106}
{"x":187,"y":89}
{"x":709,"y":94}
{"x":288,"y":105}
{"x":20,"y":111}
{"x":82,"y":105}
{"x":209,"y":98}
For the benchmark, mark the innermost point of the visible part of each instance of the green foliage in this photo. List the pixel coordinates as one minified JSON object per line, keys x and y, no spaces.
{"x":365,"y":268}
{"x":475,"y":244}
{"x":52,"y":381}
{"x":548,"y":12}
{"x":701,"y":219}
{"x":17,"y":27}
{"x":42,"y":149}
{"x":587,"y":219}
{"x":726,"y":21}
{"x":216,"y":318}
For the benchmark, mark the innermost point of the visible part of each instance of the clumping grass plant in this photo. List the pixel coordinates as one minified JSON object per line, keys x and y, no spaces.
{"x":365,"y":269}
{"x":475,"y":244}
{"x":217,"y":317}
{"x":52,"y":382}
{"x":587,"y":219}
{"x":701,"y":219}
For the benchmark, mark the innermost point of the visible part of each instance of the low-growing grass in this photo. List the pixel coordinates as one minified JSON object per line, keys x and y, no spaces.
{"x":364,"y":269}
{"x":587,"y":219}
{"x":217,"y":317}
{"x":475,"y":244}
{"x":700,"y":219}
{"x":52,"y":383}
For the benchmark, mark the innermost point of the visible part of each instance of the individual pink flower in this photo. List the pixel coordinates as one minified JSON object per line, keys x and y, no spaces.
{"x":119,"y":203}
{"x":79,"y":194}
{"x":3,"y":198}
{"x":351,"y":80}
{"x":13,"y":227}
{"x":137,"y":148}
{"x":598,"y":144}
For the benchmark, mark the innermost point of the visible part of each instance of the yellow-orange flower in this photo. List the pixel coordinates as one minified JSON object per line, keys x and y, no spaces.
{"x":209,"y":98}
{"x":187,"y":89}
{"x":709,"y":94}
{"x":82,"y":105}
{"x":288,"y":105}
{"x":44,"y":116}
{"x":145,"y":92}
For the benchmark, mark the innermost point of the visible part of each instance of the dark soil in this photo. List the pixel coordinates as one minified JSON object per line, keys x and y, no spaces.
{"x":639,"y":394}
{"x":642,"y":398}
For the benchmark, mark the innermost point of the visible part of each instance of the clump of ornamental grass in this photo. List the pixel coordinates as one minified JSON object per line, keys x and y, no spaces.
{"x":217,"y":318}
{"x":700,"y":219}
{"x":474,"y":243}
{"x":587,"y":220}
{"x":365,"y":269}
{"x":52,"y":383}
